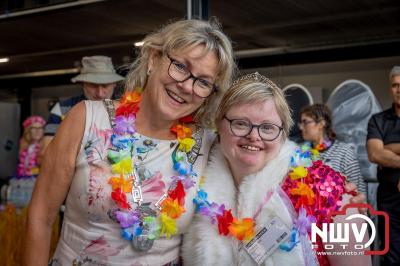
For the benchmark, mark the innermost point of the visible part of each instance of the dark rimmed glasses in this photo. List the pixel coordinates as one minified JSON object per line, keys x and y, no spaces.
{"x":243,"y":127}
{"x":180,"y":73}
{"x":305,"y":122}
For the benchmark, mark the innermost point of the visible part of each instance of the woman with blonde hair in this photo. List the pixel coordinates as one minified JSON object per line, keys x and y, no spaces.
{"x":29,"y":146}
{"x":260,"y":192}
{"x":129,"y":169}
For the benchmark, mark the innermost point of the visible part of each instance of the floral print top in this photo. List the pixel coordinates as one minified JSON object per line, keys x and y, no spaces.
{"x":89,"y":235}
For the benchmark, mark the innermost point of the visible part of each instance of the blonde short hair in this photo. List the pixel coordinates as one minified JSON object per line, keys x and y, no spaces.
{"x":182,"y":35}
{"x":255,"y":88}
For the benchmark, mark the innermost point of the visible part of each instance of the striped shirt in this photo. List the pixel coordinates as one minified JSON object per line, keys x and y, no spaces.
{"x":342,"y":158}
{"x":58,"y":113}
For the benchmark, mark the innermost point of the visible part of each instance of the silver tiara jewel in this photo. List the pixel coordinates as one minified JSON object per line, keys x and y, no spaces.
{"x":256,"y":77}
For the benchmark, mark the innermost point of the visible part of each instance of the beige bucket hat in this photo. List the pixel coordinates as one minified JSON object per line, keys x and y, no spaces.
{"x":97,"y":69}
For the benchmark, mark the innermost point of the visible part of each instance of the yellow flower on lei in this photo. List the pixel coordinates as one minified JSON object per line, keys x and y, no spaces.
{"x":298,"y":172}
{"x":315,"y":153}
{"x":186,"y":144}
{"x":168,"y":225}
{"x":123,"y":166}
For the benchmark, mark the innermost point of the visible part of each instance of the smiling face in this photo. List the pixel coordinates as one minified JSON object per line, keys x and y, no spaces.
{"x":36,"y":131}
{"x":170,"y":99}
{"x":249,"y":154}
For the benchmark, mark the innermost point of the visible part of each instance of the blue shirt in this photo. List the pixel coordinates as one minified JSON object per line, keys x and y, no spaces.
{"x":58,"y":113}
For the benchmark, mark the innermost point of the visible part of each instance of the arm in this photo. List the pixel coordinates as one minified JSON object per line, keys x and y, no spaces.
{"x":52,"y":186}
{"x":379,"y":155}
{"x":394,"y":147}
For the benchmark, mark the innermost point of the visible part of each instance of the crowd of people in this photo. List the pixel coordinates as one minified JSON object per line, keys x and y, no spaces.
{"x":193,"y":165}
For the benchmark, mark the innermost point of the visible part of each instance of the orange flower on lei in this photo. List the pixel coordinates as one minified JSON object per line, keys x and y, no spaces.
{"x":120,"y":182}
{"x":129,"y":103}
{"x":131,"y":97}
{"x":172,"y":208}
{"x":182,"y":132}
{"x":304,"y":191}
{"x":242,"y":229}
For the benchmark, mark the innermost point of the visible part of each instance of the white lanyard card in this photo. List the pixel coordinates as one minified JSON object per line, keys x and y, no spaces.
{"x":267,"y":240}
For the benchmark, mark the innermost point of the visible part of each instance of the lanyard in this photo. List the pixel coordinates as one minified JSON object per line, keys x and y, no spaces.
{"x":263,"y":203}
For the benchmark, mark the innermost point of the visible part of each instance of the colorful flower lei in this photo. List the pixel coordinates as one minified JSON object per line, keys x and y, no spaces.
{"x":315,"y":194}
{"x":314,"y":189}
{"x":326,"y":143}
{"x":28,"y":161}
{"x":133,"y":221}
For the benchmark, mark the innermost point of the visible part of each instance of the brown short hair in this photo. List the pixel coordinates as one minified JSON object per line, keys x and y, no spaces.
{"x":320,"y":112}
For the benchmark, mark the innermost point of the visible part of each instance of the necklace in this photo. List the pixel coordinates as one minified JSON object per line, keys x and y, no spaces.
{"x":314,"y":189}
{"x":326,"y":143}
{"x":28,"y":165}
{"x":140,"y":223}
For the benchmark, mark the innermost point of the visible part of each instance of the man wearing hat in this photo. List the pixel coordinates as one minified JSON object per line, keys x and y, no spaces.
{"x":98,"y":78}
{"x":383,"y":145}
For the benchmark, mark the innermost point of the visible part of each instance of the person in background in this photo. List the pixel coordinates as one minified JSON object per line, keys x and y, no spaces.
{"x":316,"y":128}
{"x":252,"y":188}
{"x":383,"y":146}
{"x":29,"y":146}
{"x":129,"y":169}
{"x":98,"y":78}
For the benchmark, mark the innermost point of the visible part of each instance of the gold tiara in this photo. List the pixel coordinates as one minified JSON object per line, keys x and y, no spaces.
{"x":256,"y":77}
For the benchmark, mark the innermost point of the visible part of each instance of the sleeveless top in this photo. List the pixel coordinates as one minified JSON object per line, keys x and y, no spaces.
{"x":89,"y":236}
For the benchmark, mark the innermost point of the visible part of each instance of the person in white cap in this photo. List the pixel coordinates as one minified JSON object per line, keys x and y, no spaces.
{"x":383,"y":145}
{"x":98,"y":78}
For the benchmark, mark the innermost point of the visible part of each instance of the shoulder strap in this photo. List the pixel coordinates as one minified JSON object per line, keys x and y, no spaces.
{"x":109,"y":104}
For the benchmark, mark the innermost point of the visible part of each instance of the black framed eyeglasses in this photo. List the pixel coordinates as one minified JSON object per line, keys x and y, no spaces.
{"x":243,"y":127}
{"x":180,"y":73}
{"x":306,"y":122}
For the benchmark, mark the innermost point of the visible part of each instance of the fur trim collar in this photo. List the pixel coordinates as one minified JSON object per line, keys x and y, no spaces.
{"x":218,"y":176}
{"x":204,"y":246}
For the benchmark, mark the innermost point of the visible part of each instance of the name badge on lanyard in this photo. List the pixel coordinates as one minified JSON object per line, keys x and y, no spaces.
{"x":267,"y":240}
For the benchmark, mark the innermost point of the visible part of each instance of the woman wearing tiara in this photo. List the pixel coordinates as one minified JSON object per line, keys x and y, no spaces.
{"x":260,"y":192}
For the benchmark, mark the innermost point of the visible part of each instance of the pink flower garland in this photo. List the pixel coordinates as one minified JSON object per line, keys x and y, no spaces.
{"x":28,"y":164}
{"x":326,"y":187}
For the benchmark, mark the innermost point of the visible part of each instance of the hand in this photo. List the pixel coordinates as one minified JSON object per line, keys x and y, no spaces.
{"x":357,"y":197}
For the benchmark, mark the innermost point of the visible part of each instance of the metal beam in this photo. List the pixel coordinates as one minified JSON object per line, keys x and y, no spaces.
{"x":197,"y":9}
{"x":48,"y":8}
